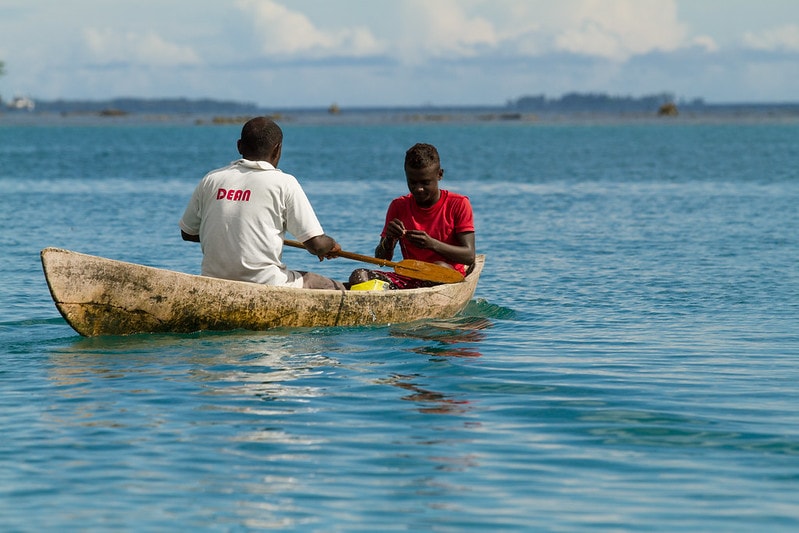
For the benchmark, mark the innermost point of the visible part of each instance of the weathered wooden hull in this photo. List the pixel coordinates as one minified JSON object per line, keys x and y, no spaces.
{"x":99,"y":296}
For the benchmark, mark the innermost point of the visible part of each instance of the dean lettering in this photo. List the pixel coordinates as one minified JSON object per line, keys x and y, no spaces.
{"x":234,"y":195}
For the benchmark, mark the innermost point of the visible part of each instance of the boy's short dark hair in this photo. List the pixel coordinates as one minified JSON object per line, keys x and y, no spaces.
{"x":421,"y":155}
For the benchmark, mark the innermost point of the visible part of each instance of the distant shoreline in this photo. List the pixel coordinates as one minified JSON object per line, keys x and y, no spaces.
{"x":409,"y":116}
{"x":572,"y":108}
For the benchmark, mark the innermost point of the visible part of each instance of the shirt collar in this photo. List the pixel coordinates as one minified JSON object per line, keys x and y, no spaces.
{"x":262,"y":165}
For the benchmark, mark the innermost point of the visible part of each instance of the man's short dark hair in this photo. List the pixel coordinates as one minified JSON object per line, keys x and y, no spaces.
{"x":259,"y":136}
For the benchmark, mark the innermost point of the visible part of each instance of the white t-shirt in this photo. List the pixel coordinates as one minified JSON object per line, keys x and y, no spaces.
{"x":241,"y":213}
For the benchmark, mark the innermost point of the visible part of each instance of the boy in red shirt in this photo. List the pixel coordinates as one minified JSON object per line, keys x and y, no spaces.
{"x":430,"y":224}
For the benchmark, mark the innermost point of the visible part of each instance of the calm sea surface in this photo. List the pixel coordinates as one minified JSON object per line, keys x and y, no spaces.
{"x":630,"y":361}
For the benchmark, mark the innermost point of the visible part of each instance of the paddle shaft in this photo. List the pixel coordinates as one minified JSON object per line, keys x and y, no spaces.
{"x":407,"y":267}
{"x":350,"y":255}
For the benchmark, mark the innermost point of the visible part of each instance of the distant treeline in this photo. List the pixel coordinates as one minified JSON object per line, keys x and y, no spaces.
{"x":573,"y":102}
{"x":570,"y":103}
{"x":148,"y":106}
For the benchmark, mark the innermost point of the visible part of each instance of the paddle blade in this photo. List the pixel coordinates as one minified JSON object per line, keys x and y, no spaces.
{"x":427,"y":271}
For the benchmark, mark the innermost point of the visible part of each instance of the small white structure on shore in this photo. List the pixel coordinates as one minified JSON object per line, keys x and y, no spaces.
{"x":22,"y":103}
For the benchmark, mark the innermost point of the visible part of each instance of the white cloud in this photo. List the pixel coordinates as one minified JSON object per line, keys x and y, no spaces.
{"x":442,"y":28}
{"x":109,"y":46}
{"x":283,"y":31}
{"x":618,"y":29}
{"x":606,"y":29}
{"x":706,"y":43}
{"x":781,"y":39}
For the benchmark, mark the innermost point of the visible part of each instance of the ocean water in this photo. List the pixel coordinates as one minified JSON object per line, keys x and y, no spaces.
{"x":629,"y":363}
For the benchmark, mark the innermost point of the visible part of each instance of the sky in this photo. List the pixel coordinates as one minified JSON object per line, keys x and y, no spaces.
{"x":366,"y":53}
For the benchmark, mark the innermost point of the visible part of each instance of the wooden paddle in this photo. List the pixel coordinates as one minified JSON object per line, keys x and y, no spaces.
{"x":407,"y":267}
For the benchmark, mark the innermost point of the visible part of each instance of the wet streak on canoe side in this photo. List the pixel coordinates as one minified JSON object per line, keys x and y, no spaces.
{"x":99,"y":296}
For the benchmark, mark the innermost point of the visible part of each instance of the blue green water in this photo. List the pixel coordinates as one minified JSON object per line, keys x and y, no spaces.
{"x":630,"y":361}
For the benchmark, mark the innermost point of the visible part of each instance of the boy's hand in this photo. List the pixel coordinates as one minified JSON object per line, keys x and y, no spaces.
{"x":419,"y":238}
{"x":395,"y":229}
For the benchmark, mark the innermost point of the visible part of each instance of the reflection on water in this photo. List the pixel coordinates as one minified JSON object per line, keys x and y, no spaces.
{"x":434,"y":402}
{"x":455,"y":337}
{"x":254,"y":388}
{"x":100,"y":379}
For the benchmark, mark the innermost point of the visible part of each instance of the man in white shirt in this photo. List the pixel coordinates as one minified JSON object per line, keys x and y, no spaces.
{"x":239,"y":214}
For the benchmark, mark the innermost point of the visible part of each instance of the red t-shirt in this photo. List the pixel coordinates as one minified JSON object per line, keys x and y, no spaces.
{"x":450,"y":215}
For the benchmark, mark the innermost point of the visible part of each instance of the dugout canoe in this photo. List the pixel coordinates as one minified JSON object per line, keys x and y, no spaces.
{"x":100,"y":296}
